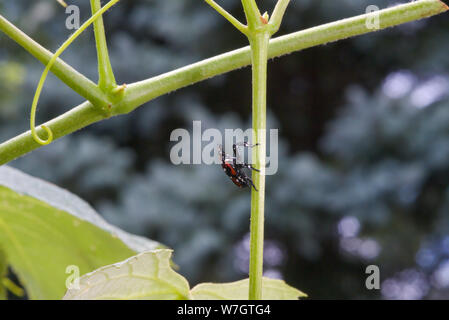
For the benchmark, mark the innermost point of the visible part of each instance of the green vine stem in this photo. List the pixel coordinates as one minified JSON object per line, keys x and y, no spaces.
{"x":72,"y":78}
{"x":62,"y":3}
{"x":77,"y":118}
{"x":47,"y":69}
{"x":260,"y":31}
{"x":259,"y":48}
{"x":144,"y":91}
{"x":106,"y":79}
{"x":252,"y":14}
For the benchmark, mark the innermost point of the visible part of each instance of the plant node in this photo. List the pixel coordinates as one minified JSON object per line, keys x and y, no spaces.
{"x":265,"y":18}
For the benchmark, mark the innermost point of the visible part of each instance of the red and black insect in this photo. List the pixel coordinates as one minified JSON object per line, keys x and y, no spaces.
{"x":234,"y":170}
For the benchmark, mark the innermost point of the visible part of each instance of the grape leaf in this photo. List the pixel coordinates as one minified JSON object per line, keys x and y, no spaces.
{"x":45,"y":229}
{"x":149,"y":276}
{"x":145,"y":276}
{"x":272,"y":289}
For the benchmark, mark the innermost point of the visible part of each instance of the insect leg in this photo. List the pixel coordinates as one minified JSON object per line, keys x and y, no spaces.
{"x":246,"y":165}
{"x":250,"y":182}
{"x":246,"y":144}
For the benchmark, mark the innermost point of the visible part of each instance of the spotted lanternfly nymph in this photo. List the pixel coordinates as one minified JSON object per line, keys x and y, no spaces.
{"x":234,"y":170}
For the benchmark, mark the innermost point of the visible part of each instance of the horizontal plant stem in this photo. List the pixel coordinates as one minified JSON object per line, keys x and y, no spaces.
{"x":146,"y":90}
{"x":141,"y":92}
{"x":278,"y":14}
{"x":72,"y":78}
{"x":71,"y":121}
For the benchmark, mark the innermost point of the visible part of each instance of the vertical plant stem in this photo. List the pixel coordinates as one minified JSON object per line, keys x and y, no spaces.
{"x":106,"y":79}
{"x":252,"y":13}
{"x":259,"y":48}
{"x":141,"y":92}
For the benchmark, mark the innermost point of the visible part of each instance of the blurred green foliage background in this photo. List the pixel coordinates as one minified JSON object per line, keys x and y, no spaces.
{"x":364,"y":144}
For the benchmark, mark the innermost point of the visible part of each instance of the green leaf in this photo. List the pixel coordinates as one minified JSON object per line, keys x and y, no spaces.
{"x":272,"y":289}
{"x":3,"y":272}
{"x":45,"y":229}
{"x":145,"y":276}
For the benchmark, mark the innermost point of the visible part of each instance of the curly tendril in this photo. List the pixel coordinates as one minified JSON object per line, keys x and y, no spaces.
{"x":48,"y":67}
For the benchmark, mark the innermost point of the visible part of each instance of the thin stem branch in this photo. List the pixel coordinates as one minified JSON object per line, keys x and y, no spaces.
{"x":252,"y":14}
{"x":106,"y":79}
{"x":240,"y":26}
{"x":144,"y":91}
{"x":62,"y":3}
{"x":278,"y":15}
{"x":72,"y":78}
